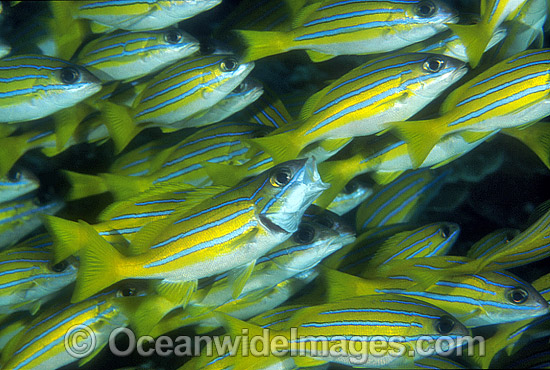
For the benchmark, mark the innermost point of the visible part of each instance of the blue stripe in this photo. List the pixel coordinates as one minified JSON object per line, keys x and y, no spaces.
{"x":35,"y":278}
{"x":352,"y":15}
{"x":208,"y":244}
{"x":142,"y":215}
{"x":464,"y":286}
{"x":362,"y":323}
{"x":35,"y":89}
{"x":383,"y":311}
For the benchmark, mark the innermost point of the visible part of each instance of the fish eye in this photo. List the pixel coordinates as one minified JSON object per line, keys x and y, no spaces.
{"x":281,"y":177}
{"x":229,"y":64}
{"x":433,"y":65}
{"x":127,"y":292}
{"x":240,"y":88}
{"x":259,"y":133}
{"x":70,"y":75}
{"x":509,"y":237}
{"x":518,"y":295}
{"x":304,"y":234}
{"x":444,"y":232}
{"x":445,"y":325}
{"x":14,"y":175}
{"x":60,"y":267}
{"x":350,"y":187}
{"x":425,"y":9}
{"x":173,"y":36}
{"x":325,"y":221}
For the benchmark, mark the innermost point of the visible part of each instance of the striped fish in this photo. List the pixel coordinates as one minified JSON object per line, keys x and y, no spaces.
{"x":28,"y":277}
{"x":134,"y":15}
{"x":21,"y":216}
{"x":42,"y":345}
{"x":183,"y":162}
{"x":35,"y":86}
{"x":268,"y":110}
{"x":16,"y":183}
{"x":336,"y":27}
{"x":476,"y":300}
{"x":11,"y":327}
{"x":378,"y":246}
{"x":400,"y":200}
{"x":536,"y":137}
{"x":386,"y":158}
{"x":176,"y":93}
{"x":245,"y":94}
{"x":357,"y":320}
{"x":492,"y":241}
{"x":512,"y":93}
{"x":256,"y":216}
{"x":363,"y":100}
{"x":127,"y":55}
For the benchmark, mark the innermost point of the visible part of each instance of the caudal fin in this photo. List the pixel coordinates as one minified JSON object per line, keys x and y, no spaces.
{"x":421,"y":137}
{"x":335,"y":174}
{"x":120,"y":123}
{"x":282,"y":147}
{"x":124,"y":187}
{"x":68,"y":236}
{"x":475,"y":38}
{"x":100,"y":264}
{"x":83,"y":185}
{"x":11,"y":149}
{"x":261,"y":44}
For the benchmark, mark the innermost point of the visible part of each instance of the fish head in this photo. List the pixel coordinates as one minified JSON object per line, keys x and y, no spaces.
{"x":289,"y":189}
{"x":446,"y":234}
{"x":178,"y":44}
{"x":433,"y":74}
{"x":60,"y":274}
{"x":75,"y":83}
{"x":227,"y":73}
{"x":515,"y":298}
{"x":18,"y":181}
{"x":434,"y":12}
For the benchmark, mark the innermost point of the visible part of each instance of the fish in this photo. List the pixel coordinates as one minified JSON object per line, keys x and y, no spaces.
{"x":491,"y":241}
{"x":175,"y":93}
{"x":16,"y":183}
{"x":372,"y":315}
{"x":476,"y":300}
{"x":35,"y":86}
{"x":256,"y":216}
{"x":41,"y":344}
{"x":28,"y":278}
{"x":353,"y":194}
{"x":510,"y":94}
{"x":398,"y":201}
{"x":127,"y":55}
{"x":364,"y":100}
{"x":21,"y":216}
{"x":334,"y":27}
{"x":535,"y":137}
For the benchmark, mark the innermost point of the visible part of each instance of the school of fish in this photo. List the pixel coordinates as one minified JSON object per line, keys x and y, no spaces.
{"x":289,"y":167}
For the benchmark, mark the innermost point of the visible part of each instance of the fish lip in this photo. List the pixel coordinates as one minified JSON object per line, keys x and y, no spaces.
{"x":452,"y":19}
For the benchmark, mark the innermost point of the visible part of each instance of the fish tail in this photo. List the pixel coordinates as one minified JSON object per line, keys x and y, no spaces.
{"x":68,"y":32}
{"x":68,"y":237}
{"x":83,"y":185}
{"x":340,"y":285}
{"x":100,"y":265}
{"x":475,"y":38}
{"x":66,"y":121}
{"x":120,"y":123}
{"x":226,"y":174}
{"x":11,"y":149}
{"x":236,"y":327}
{"x":124,"y":187}
{"x":536,"y":137}
{"x":261,"y":44}
{"x":421,"y":137}
{"x":337,"y":176}
{"x":281,"y":147}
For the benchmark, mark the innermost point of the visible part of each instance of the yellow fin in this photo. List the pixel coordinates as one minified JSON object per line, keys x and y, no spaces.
{"x":261,"y":44}
{"x":312,"y":102}
{"x":100,"y":266}
{"x":536,"y":137}
{"x":100,"y":28}
{"x":238,"y":278}
{"x":282,"y":147}
{"x":421,"y":137}
{"x":475,"y":38}
{"x":145,"y":237}
{"x":337,"y":175}
{"x":318,"y":57}
{"x":177,"y":292}
{"x":340,"y":285}
{"x":83,"y":185}
{"x":305,"y":12}
{"x":474,"y":136}
{"x":124,"y":187}
{"x":68,"y":236}
{"x":120,"y":123}
{"x":67,"y":120}
{"x":227,"y":174}
{"x":11,"y":149}
{"x":384,"y":178}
